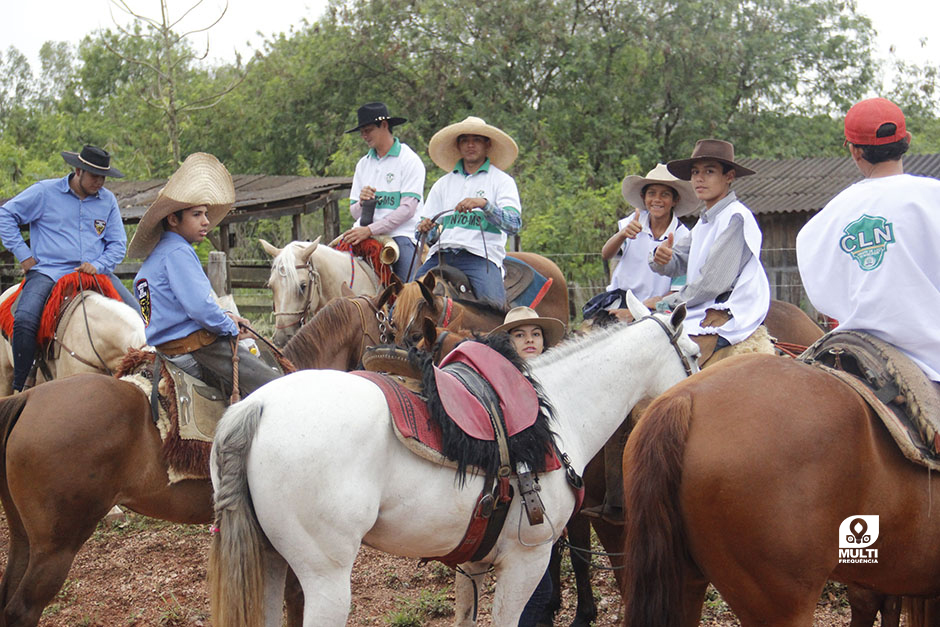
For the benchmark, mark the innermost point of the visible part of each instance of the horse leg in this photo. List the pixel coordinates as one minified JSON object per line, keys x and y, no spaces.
{"x":517,"y":576}
{"x":865,"y":605}
{"x":275,"y":574}
{"x":579,"y":536}
{"x":467,"y":587}
{"x":294,"y":600}
{"x":554,"y":569}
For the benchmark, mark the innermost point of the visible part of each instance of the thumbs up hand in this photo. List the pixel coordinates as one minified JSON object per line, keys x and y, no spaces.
{"x":633,"y":227}
{"x":664,"y":252}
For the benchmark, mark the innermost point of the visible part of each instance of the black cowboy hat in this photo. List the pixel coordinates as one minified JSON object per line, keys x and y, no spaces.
{"x":373,"y":113}
{"x":92,"y":159}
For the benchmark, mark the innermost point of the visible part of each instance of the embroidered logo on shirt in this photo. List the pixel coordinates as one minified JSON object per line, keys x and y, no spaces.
{"x":142,"y":290}
{"x":390,"y":177}
{"x":481,"y":193}
{"x":866,"y":240}
{"x":99,"y":226}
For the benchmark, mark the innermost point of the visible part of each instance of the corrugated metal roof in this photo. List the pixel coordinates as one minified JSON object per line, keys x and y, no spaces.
{"x":252,"y":191}
{"x":785,"y":185}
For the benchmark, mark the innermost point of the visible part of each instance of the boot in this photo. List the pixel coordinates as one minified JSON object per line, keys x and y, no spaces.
{"x":611,"y":510}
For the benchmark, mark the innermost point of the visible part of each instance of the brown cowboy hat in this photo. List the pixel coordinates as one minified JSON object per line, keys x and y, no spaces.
{"x":553,"y":329}
{"x":716,"y":149}
{"x":632,"y":189}
{"x":444,"y":152}
{"x":92,"y":159}
{"x":201,"y":180}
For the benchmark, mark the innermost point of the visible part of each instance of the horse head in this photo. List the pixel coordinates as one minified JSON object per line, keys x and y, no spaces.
{"x":419,"y":300}
{"x":296,"y":286}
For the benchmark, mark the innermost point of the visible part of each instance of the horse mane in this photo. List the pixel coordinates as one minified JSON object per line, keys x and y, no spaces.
{"x":530,"y":446}
{"x":408,"y":301}
{"x":318,"y":336}
{"x":575,"y":343}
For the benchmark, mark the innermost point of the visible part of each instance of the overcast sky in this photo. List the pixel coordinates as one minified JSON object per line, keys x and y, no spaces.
{"x":29,"y":23}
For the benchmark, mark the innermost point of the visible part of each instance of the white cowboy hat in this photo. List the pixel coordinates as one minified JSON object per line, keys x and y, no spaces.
{"x":632,"y":189}
{"x":443,"y":146}
{"x":201,"y":180}
{"x":553,"y":329}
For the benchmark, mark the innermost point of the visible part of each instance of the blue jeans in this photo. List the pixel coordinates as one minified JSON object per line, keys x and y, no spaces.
{"x":406,"y":252}
{"x":485,"y":277}
{"x":31,"y":302}
{"x":537,"y":603}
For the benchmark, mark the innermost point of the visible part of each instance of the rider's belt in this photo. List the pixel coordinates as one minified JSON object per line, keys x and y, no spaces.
{"x":193,"y":341}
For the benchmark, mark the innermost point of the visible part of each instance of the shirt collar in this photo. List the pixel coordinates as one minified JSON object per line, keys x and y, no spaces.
{"x":458,"y":168}
{"x":710,"y":214}
{"x":64,"y":187}
{"x":394,"y":151}
{"x":645,"y":222}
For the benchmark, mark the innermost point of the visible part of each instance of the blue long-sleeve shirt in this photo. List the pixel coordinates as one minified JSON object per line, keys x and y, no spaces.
{"x":64,"y":230}
{"x":175,"y":295}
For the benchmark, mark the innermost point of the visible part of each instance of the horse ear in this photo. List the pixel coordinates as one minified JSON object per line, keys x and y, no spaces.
{"x":428,"y":281}
{"x":394,"y":280}
{"x":345,"y":291}
{"x":309,"y":250}
{"x":429,"y":331}
{"x":678,"y":315}
{"x":269,"y":248}
{"x":426,"y":291}
{"x":637,"y":309}
{"x":384,"y":295}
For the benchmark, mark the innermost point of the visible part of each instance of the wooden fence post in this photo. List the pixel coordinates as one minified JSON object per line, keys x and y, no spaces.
{"x":217,"y":270}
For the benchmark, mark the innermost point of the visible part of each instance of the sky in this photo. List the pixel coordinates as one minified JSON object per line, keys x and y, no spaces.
{"x":27,"y":24}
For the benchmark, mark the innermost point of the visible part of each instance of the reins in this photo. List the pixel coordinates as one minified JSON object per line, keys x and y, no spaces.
{"x":313,"y":278}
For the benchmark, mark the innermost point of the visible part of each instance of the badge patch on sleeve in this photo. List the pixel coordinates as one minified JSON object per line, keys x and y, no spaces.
{"x":99,"y":226}
{"x":142,"y":290}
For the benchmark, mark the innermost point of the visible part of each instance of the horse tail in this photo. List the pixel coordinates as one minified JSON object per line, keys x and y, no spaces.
{"x":236,"y":573}
{"x":654,"y":540}
{"x":10,"y":409}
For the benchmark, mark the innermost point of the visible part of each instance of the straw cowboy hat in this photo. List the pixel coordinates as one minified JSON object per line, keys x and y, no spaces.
{"x":201,"y":180}
{"x":443,"y":146}
{"x":632,"y":189}
{"x":716,"y":149}
{"x":553,"y":329}
{"x":373,"y":113}
{"x":92,"y":159}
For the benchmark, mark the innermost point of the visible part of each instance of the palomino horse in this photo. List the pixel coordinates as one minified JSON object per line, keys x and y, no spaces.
{"x":419,"y":299}
{"x":305,"y":276}
{"x":741,"y":476}
{"x":93,"y":339}
{"x":331,"y":430}
{"x":73,"y":448}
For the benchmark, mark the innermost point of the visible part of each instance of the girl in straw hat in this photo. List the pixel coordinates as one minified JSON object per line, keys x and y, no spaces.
{"x":484,"y":199}
{"x":660,"y":199}
{"x":183,"y":321}
{"x":532,"y":335}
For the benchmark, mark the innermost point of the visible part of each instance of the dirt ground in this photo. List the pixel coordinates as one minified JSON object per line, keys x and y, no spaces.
{"x":141,"y":571}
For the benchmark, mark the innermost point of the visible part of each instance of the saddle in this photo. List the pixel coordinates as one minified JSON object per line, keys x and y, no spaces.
{"x":894,"y":387}
{"x":188,"y":412}
{"x":480,"y":394}
{"x":524,"y":284}
{"x":61,"y":302}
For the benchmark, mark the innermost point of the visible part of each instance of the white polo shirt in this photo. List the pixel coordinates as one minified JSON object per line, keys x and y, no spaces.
{"x":633,"y":271}
{"x":463,"y":230}
{"x":870,"y":260}
{"x":398,"y":174}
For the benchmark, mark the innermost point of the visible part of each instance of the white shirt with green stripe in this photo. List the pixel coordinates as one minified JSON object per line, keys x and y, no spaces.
{"x":396,"y":176}
{"x":463,"y":230}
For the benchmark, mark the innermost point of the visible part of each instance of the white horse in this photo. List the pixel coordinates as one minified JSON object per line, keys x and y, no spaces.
{"x":305,"y":276}
{"x":307,"y":469}
{"x":94,"y":338}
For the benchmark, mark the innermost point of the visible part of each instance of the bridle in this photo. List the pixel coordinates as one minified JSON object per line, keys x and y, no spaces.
{"x":674,"y":335}
{"x":443,"y":320}
{"x":385,"y":327}
{"x":313,"y":279}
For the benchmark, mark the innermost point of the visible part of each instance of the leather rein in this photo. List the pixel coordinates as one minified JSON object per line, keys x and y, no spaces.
{"x":674,"y":336}
{"x":386,"y":330}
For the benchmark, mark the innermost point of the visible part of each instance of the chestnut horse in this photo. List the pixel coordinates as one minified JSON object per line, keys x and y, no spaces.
{"x":741,"y":476}
{"x":65,"y":464}
{"x":419,"y":299}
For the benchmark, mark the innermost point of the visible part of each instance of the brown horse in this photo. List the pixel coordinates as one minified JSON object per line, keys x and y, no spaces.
{"x":741,"y":476}
{"x":64,"y":464}
{"x":420,"y":299}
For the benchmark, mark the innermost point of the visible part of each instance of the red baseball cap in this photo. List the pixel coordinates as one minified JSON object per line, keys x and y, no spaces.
{"x":865,"y":118}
